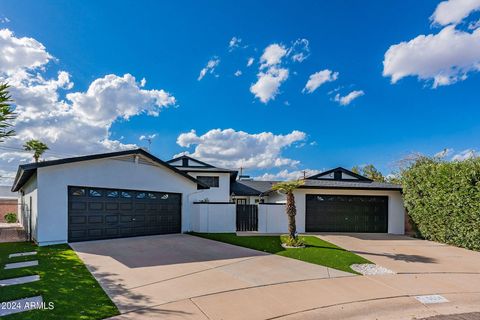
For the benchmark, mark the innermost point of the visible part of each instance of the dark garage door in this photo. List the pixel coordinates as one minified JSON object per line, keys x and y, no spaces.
{"x":97,"y":213}
{"x":340,"y":213}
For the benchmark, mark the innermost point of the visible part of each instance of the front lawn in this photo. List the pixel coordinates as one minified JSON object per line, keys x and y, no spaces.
{"x":316,"y":250}
{"x":64,"y":280}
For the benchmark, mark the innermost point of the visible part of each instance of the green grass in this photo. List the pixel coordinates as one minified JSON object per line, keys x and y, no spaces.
{"x":64,"y":280}
{"x":316,"y":250}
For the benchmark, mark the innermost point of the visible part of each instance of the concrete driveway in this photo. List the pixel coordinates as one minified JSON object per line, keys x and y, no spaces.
{"x":185,"y":277}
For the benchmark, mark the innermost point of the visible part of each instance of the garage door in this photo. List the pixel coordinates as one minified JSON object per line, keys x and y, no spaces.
{"x":340,"y":213}
{"x":98,"y":213}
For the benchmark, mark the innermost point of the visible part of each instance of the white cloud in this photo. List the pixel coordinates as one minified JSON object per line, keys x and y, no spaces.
{"x":268,"y":83}
{"x":444,"y":153}
{"x":20,"y":53}
{"x":79,"y":125}
{"x":346,"y":100}
{"x":147,"y":137}
{"x":250,"y":61}
{"x":234,"y":149}
{"x":318,"y":78}
{"x":238,"y":73}
{"x":446,"y":57}
{"x":285,"y":175}
{"x":209,"y":68}
{"x":454,"y":11}
{"x":299,"y":50}
{"x":234,"y":43}
{"x":272,"y":55}
{"x":464,"y":155}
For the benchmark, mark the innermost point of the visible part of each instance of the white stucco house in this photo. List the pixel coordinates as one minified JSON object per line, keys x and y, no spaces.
{"x":133,"y":193}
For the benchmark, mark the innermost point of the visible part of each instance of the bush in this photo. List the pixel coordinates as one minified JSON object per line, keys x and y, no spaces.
{"x":443,"y":200}
{"x":296,"y":242}
{"x":11,"y":217}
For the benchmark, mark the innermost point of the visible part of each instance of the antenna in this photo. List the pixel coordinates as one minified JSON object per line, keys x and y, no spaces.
{"x":149,"y":140}
{"x":304,"y":174}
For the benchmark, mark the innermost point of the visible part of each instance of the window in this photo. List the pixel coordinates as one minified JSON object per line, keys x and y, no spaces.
{"x":211,"y":181}
{"x":241,"y":201}
{"x":164,"y":197}
{"x":77,"y":192}
{"x":141,"y":195}
{"x":125,"y":194}
{"x":112,"y":194}
{"x":152,"y":196}
{"x":95,"y":193}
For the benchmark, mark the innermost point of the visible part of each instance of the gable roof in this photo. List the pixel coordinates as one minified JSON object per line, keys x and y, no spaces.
{"x":349,"y":184}
{"x":338,"y":175}
{"x":25,"y":171}
{"x":188,"y":164}
{"x":251,"y":187}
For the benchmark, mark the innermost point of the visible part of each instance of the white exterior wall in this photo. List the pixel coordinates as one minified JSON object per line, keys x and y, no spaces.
{"x":208,"y":217}
{"x":272,"y":219}
{"x":396,"y":210}
{"x":220,"y":194}
{"x":53,"y":184}
{"x":29,"y":190}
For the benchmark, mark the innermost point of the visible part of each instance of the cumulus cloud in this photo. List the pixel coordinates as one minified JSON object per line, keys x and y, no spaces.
{"x":272,"y":55}
{"x":268,"y":83}
{"x":318,"y":78}
{"x":250,"y":61}
{"x":445,"y":58}
{"x":209,"y":68}
{"x":346,"y":100}
{"x":147,"y":137}
{"x":454,"y":11}
{"x":285,"y":175}
{"x":238,"y":73}
{"x":234,"y":149}
{"x":18,"y":53}
{"x":78,"y":125}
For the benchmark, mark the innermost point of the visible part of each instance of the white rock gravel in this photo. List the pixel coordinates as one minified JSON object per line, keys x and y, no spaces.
{"x":369,"y":269}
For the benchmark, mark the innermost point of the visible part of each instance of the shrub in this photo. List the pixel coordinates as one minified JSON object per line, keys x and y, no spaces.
{"x":443,"y":200}
{"x":11,"y":217}
{"x":292,"y":242}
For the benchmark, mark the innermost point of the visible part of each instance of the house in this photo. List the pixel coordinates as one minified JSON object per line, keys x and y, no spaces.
{"x":133,"y":193}
{"x":8,"y":202}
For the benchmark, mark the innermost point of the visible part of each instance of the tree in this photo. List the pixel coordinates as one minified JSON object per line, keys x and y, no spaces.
{"x":287,"y":188}
{"x":6,"y":113}
{"x":370,"y":172}
{"x":37,"y":147}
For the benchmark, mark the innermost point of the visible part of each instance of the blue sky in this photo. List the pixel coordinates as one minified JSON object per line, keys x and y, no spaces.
{"x":168,"y":43}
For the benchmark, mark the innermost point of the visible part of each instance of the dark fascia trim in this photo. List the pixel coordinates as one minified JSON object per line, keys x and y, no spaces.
{"x":190,"y":158}
{"x":28,"y":169}
{"x":272,"y":204}
{"x":211,"y":202}
{"x":360,"y":177}
{"x":206,"y":171}
{"x":399,"y":189}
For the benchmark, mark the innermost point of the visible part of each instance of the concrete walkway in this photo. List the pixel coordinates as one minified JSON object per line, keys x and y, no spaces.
{"x":11,"y":232}
{"x":184,"y":277}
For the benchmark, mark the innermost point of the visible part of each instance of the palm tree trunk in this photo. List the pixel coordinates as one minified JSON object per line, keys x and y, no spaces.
{"x":291,"y":212}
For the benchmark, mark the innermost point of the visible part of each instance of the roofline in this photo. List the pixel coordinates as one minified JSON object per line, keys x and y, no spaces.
{"x":185,"y":156}
{"x":399,"y":189}
{"x":33,"y":166}
{"x":359,"y":176}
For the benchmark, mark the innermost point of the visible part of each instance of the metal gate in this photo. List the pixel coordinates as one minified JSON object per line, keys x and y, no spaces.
{"x":247,"y":217}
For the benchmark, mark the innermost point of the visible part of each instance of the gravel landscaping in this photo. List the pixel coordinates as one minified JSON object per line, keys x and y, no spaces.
{"x":369,"y":269}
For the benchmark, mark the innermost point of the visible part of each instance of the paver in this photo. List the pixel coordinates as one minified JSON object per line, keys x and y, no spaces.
{"x":21,"y":264}
{"x":20,"y":280}
{"x":22,"y":254}
{"x":21,"y":305}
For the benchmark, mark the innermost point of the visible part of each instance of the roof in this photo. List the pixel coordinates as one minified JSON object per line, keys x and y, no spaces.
{"x":251,"y":187}
{"x":327,"y":175}
{"x":189,"y":164}
{"x":26,"y":171}
{"x":339,"y":184}
{"x":6,"y":193}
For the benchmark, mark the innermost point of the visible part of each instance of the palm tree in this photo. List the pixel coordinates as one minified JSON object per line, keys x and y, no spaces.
{"x":287,"y":188}
{"x":37,"y":147}
{"x":6,"y":113}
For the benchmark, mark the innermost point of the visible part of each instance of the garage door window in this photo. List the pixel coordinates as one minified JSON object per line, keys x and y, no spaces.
{"x":95,"y":193}
{"x":112,"y":194}
{"x":125,"y":194}
{"x":141,"y":195}
{"x":78,"y":192}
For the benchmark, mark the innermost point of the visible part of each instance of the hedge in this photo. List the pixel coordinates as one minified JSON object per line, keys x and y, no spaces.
{"x":443,"y":200}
